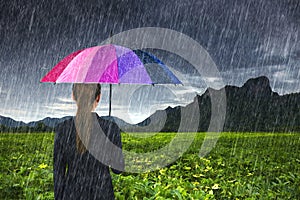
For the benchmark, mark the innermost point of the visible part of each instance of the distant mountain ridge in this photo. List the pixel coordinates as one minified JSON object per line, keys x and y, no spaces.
{"x":50,"y":123}
{"x":9,"y":122}
{"x":251,"y":107}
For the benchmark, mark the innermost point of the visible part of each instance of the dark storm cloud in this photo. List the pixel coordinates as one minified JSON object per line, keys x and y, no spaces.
{"x":229,"y":30}
{"x":274,"y":60}
{"x":243,"y":37}
{"x":296,"y":55}
{"x":2,"y":96}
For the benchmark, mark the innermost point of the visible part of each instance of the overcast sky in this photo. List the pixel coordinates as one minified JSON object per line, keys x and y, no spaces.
{"x":245,"y":39}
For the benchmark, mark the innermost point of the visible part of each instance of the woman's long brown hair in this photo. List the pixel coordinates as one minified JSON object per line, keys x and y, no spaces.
{"x":85,"y":96}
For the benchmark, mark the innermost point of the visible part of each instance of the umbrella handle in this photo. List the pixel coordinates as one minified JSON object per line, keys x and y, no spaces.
{"x":110,"y":85}
{"x":110,"y":94}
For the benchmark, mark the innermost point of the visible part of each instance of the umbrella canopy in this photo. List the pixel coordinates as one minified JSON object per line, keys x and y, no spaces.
{"x":111,"y":64}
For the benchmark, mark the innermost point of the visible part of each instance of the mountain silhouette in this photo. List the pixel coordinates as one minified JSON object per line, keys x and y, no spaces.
{"x":47,"y":124}
{"x":48,"y":121}
{"x":249,"y":108}
{"x":9,"y":122}
{"x":252,"y":107}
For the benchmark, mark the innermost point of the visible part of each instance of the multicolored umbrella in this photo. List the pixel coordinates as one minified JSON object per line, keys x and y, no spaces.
{"x":111,"y":64}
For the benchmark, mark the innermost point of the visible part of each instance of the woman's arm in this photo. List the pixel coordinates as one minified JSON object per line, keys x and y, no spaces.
{"x":116,"y":133}
{"x":59,"y":164}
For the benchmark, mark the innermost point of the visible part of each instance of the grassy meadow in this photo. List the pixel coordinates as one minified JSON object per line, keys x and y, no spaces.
{"x":240,"y":166}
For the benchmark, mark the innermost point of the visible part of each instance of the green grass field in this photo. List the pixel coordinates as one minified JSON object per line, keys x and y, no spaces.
{"x":241,"y":166}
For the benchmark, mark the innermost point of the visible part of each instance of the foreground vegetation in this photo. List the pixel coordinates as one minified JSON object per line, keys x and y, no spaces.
{"x":241,"y":166}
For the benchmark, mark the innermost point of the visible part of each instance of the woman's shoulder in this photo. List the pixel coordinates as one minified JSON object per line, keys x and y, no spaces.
{"x":64,"y":123}
{"x":62,"y":127}
{"x":107,"y":122}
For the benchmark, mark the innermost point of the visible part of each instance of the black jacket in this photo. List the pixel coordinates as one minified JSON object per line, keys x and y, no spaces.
{"x":83,"y":176}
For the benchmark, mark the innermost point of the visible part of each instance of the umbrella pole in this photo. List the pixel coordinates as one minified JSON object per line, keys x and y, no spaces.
{"x":110,"y":89}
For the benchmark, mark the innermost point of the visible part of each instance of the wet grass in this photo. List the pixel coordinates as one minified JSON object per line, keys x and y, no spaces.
{"x":240,"y":166}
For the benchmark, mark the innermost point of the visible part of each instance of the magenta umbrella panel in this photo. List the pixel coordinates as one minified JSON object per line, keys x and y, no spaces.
{"x":111,"y":64}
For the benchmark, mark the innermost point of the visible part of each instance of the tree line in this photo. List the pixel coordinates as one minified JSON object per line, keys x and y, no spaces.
{"x":39,"y":127}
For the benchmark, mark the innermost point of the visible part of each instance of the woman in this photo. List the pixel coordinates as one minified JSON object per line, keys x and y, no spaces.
{"x":81,"y":159}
